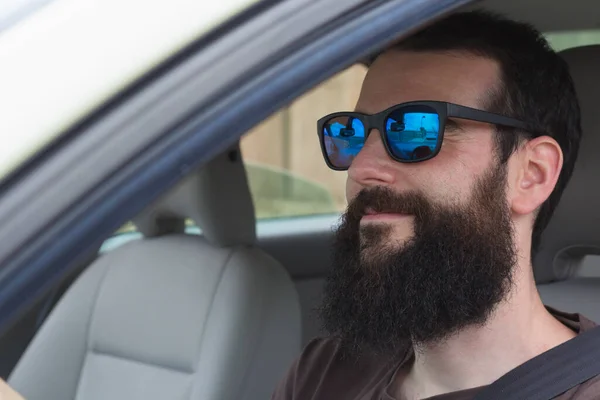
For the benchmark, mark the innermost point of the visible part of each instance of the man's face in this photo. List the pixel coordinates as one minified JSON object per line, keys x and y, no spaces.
{"x":424,"y":249}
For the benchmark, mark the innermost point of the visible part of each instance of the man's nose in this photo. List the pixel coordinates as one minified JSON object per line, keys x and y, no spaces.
{"x":373,"y":165}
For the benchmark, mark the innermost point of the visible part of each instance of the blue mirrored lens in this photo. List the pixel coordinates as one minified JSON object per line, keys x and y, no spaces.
{"x":343,"y":138}
{"x":413,"y":133}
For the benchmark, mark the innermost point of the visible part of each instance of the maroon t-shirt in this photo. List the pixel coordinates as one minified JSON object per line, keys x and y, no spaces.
{"x":320,"y":373}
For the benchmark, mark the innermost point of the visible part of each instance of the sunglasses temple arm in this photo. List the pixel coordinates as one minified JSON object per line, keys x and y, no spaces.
{"x":472,"y":114}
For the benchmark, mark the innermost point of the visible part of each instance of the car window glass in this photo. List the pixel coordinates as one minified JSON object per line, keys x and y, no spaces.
{"x":568,"y":39}
{"x":286,"y":171}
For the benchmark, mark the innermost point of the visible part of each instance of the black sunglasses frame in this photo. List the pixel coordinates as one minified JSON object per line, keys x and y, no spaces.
{"x":444,"y":110}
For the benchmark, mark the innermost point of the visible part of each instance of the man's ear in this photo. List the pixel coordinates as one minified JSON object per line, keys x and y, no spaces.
{"x":539,"y":163}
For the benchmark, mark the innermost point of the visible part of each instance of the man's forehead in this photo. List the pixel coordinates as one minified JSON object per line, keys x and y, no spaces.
{"x":402,"y":76}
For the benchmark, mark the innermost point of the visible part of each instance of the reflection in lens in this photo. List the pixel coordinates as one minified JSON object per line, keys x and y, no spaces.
{"x":413,"y":132}
{"x":343,"y":138}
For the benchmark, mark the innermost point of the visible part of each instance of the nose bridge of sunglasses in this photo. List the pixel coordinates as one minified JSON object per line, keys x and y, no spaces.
{"x":371,"y":124}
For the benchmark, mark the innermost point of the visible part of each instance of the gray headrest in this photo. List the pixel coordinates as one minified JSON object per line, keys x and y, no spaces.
{"x":216,"y":198}
{"x":574,"y":230}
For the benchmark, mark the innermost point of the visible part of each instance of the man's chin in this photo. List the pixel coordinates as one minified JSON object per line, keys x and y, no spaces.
{"x":374,"y":254}
{"x":378,"y":239}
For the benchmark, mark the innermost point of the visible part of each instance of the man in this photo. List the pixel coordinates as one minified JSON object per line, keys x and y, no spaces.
{"x":432,"y":294}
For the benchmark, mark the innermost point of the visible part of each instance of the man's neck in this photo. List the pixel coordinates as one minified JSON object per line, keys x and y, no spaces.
{"x":519,"y":329}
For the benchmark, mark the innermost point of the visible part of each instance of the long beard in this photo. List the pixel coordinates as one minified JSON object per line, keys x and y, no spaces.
{"x":451,"y":274}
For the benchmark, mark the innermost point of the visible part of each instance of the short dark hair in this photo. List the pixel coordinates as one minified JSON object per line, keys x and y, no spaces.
{"x":535,"y":86}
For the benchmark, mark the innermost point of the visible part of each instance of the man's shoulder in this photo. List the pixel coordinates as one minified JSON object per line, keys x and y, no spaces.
{"x":328,"y":354}
{"x":324,"y":370}
{"x":325,"y":353}
{"x":303,"y":377}
{"x":320,"y":359}
{"x":577,"y":322}
{"x":320,"y":349}
{"x":588,"y":390}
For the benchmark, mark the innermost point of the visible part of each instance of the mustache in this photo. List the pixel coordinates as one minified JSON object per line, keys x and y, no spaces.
{"x":381,"y":199}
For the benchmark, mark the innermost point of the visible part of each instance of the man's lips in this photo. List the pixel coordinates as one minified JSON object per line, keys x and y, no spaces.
{"x":372,"y":215}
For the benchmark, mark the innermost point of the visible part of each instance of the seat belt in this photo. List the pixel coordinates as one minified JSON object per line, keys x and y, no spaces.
{"x":551,"y":373}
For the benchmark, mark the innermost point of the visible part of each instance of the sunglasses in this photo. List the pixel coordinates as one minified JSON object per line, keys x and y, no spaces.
{"x":411,"y":132}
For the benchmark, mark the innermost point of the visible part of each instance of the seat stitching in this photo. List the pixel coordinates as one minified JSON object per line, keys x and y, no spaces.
{"x":90,"y":321}
{"x":210,"y":311}
{"x":145,"y":363}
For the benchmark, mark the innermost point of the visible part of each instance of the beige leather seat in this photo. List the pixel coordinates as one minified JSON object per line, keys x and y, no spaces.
{"x":574,"y":231}
{"x":173,"y":316}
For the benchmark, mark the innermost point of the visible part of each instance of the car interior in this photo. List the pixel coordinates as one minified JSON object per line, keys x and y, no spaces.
{"x":219,"y":309}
